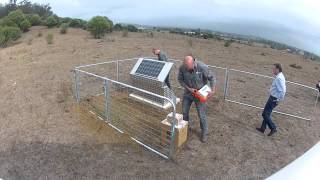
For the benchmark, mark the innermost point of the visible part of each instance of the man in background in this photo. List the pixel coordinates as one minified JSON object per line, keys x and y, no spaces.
{"x":318,"y":86}
{"x":277,"y":93}
{"x":193,"y":75}
{"x":162,"y":57}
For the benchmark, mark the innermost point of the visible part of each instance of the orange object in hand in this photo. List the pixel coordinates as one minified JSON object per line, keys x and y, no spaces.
{"x":199,"y":97}
{"x":203,"y":94}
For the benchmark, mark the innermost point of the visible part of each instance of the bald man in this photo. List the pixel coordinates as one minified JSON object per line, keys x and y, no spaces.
{"x":162,"y":57}
{"x":193,"y":75}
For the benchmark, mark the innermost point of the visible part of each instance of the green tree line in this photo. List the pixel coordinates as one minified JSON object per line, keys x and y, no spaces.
{"x":18,"y":17}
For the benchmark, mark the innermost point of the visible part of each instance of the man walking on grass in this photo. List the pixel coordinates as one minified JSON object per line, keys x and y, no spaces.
{"x":193,"y":75}
{"x":162,"y":57}
{"x":277,"y":93}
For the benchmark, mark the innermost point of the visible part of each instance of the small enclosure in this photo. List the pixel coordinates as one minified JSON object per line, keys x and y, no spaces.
{"x":106,"y":91}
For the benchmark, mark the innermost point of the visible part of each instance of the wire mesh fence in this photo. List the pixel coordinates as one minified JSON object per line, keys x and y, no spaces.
{"x":252,"y":89}
{"x":109,"y":91}
{"x":112,"y":102}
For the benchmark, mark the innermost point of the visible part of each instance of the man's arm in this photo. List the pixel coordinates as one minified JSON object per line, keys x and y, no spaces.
{"x":163,"y":57}
{"x":180,"y":78}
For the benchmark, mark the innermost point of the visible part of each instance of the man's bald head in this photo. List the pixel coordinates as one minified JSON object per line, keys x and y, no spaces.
{"x":189,"y":62}
{"x":156,"y":51}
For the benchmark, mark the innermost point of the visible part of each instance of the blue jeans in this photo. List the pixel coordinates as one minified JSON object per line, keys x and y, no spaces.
{"x":270,"y":105}
{"x":187,"y":101}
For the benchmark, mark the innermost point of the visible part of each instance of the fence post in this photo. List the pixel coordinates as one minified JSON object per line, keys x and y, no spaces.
{"x":76,"y":85}
{"x":226,"y":84}
{"x":106,"y":96}
{"x":173,"y":134}
{"x":117,"y":70}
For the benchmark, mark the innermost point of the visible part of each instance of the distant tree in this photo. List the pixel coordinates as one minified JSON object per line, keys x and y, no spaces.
{"x":65,"y":20}
{"x":132,"y":28}
{"x":26,"y":7}
{"x":117,"y":27}
{"x":51,"y":22}
{"x":11,"y":6}
{"x":110,"y":23}
{"x":43,"y":10}
{"x":98,"y":26}
{"x":3,"y":11}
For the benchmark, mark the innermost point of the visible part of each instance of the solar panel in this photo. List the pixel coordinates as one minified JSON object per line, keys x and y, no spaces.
{"x":150,"y":68}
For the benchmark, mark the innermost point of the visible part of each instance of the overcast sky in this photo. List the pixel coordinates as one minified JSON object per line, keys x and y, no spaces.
{"x":295,"y":22}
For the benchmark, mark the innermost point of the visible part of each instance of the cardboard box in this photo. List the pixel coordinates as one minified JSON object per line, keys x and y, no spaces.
{"x":179,"y":117}
{"x":181,"y":132}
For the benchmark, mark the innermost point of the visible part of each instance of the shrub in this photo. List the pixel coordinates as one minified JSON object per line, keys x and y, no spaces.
{"x":8,"y":34}
{"x":78,"y":23}
{"x":17,"y":17}
{"x":7,"y":22}
{"x":25,"y":25}
{"x":125,"y":33}
{"x":64,"y":28}
{"x":34,"y":19}
{"x":49,"y":38}
{"x":51,"y":22}
{"x":98,"y":26}
{"x":39,"y":34}
{"x":295,"y":66}
{"x":65,"y":20}
{"x":3,"y":42}
{"x":228,"y":43}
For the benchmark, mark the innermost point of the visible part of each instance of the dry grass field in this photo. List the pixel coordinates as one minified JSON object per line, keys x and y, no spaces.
{"x":44,"y":134}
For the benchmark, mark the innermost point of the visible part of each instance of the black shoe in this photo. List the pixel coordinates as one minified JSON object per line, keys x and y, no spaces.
{"x":261,"y":130}
{"x":272,"y":132}
{"x":204,"y":138}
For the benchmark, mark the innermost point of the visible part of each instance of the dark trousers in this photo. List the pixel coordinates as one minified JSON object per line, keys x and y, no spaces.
{"x":270,"y":105}
{"x":167,"y":81}
{"x":187,"y":101}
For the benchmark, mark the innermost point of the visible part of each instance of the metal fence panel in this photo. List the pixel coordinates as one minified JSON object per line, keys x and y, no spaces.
{"x":111,"y":102}
{"x":253,"y":90}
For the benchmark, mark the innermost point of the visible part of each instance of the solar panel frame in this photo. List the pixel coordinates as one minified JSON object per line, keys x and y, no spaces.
{"x":150,"y":68}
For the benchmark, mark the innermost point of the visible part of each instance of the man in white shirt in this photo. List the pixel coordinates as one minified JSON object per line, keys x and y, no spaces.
{"x":277,"y":92}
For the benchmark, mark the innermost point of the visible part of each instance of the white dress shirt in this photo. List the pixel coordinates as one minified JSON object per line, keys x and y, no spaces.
{"x":278,"y":88}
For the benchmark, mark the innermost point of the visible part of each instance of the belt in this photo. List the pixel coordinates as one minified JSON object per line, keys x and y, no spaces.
{"x":273,"y":98}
